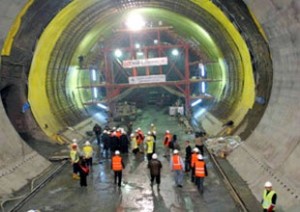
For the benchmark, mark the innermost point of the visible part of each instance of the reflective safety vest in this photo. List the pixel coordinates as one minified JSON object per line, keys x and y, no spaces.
{"x":267,"y":199}
{"x":176,"y":162}
{"x":134,"y":143}
{"x":194,"y":159}
{"x":199,"y":169}
{"x":116,"y":163}
{"x":168,"y":139}
{"x":74,"y":156}
{"x":150,"y":145}
{"x":87,"y":151}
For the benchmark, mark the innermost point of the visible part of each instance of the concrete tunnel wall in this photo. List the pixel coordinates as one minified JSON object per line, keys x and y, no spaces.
{"x":270,"y":152}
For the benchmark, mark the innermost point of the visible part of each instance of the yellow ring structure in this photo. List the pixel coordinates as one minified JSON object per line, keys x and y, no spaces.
{"x":40,"y":105}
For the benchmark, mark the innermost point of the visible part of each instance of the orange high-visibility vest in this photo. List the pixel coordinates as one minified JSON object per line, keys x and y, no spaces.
{"x":169,"y":139}
{"x":199,"y":169}
{"x":176,"y":163}
{"x":116,"y":163}
{"x":194,"y":159}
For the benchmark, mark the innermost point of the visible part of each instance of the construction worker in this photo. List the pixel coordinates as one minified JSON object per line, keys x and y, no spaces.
{"x":199,"y":142}
{"x":134,"y":144}
{"x":74,"y":155}
{"x":177,"y":166}
{"x":140,"y":139}
{"x":194,"y":158}
{"x":149,"y":146}
{"x":188,"y":156}
{"x":88,"y":153}
{"x":117,"y":166}
{"x":152,"y":128}
{"x":155,"y":167}
{"x":269,"y":198}
{"x":83,"y":171}
{"x":200,"y":172}
{"x":167,"y":140}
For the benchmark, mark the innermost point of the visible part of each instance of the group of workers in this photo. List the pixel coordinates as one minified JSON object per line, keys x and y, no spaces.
{"x":116,"y":141}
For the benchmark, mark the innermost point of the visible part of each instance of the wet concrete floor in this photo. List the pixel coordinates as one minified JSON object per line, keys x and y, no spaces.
{"x":64,"y":194}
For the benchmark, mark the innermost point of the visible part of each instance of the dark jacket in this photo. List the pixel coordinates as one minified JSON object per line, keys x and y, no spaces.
{"x":188,"y":153}
{"x":155,"y":166}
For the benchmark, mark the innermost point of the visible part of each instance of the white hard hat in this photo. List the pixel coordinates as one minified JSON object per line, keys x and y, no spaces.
{"x":132,"y":135}
{"x":149,"y":133}
{"x":74,"y":140}
{"x":167,"y":131}
{"x":104,"y":131}
{"x":87,"y":143}
{"x":200,"y":157}
{"x":152,"y":124}
{"x":154,"y":156}
{"x":175,"y":151}
{"x":114,"y":128}
{"x":154,"y":132}
{"x":268,"y":184}
{"x":138,"y":128}
{"x":196,"y":150}
{"x":117,"y":152}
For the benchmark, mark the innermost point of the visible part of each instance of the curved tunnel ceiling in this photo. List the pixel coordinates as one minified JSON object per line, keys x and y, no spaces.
{"x":76,"y":31}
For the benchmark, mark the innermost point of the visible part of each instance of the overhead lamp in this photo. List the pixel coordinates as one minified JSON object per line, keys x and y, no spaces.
{"x":199,"y":113}
{"x":118,"y":53}
{"x":135,"y":22}
{"x":102,"y":106}
{"x":137,"y":46}
{"x":175,"y":52}
{"x":155,"y":41}
{"x":196,"y":102}
{"x":94,"y":75}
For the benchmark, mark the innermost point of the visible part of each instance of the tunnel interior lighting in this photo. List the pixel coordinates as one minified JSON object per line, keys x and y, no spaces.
{"x":137,"y":45}
{"x":175,"y":52}
{"x":155,"y":41}
{"x":135,"y":22}
{"x":202,"y":70}
{"x":94,"y":75}
{"x":102,"y":106}
{"x":95,"y":93}
{"x":118,"y":53}
{"x":139,"y":53}
{"x":203,"y":87}
{"x":199,"y":113}
{"x":196,"y":102}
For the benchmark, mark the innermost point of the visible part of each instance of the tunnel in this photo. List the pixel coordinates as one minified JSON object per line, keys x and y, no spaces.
{"x":235,"y":61}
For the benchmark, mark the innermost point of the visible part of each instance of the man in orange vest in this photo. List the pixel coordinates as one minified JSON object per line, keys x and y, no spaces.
{"x":200,"y":172}
{"x":177,"y":166}
{"x":194,"y":158}
{"x":117,"y":166}
{"x":167,"y":140}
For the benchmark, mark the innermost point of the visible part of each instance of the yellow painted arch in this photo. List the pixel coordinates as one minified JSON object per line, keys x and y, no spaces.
{"x":40,"y":105}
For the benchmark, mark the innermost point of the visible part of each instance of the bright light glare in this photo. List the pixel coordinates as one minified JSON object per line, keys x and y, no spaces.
{"x":203,"y":87}
{"x":102,"y":106}
{"x":140,"y":53}
{"x":95,"y":92}
{"x":94,"y":75}
{"x":199,"y":113}
{"x":135,"y":22}
{"x":175,"y":52}
{"x":118,"y":53}
{"x":137,"y":46}
{"x":202,"y":70}
{"x":155,"y":41}
{"x":196,"y":102}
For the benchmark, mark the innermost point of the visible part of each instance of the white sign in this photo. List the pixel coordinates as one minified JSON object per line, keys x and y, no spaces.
{"x":175,"y":110}
{"x":145,"y":62}
{"x":147,"y":79}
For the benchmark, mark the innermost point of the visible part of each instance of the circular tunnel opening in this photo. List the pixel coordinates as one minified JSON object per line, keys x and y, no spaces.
{"x":215,"y":73}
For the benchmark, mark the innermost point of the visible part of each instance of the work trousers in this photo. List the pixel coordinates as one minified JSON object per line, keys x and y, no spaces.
{"x":118,"y":177}
{"x":155,"y":177}
{"x":199,"y":183}
{"x":178,"y":176}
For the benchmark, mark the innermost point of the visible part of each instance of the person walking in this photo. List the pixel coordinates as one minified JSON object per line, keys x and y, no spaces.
{"x":134,"y":144}
{"x":194,"y":158}
{"x":269,"y":198}
{"x":88,"y":153}
{"x":97,"y":130}
{"x":167,"y":140}
{"x":74,"y":156}
{"x":177,"y":166}
{"x":117,"y":166}
{"x":149,"y":146}
{"x":200,"y":172}
{"x":188,"y":155}
{"x":155,"y":167}
{"x":199,"y":142}
{"x":83,"y":172}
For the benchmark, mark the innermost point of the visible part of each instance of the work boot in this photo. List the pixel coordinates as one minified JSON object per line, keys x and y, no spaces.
{"x":75,"y":176}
